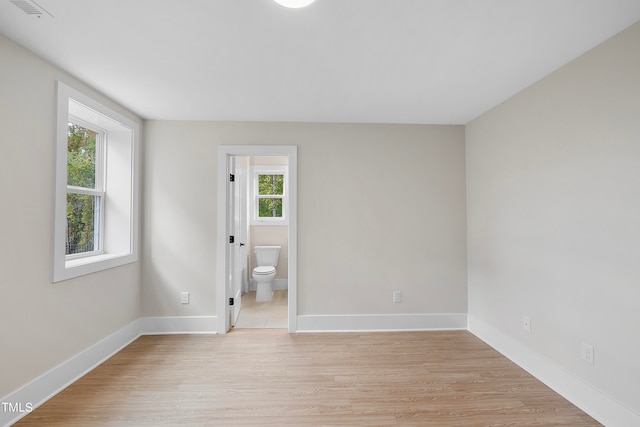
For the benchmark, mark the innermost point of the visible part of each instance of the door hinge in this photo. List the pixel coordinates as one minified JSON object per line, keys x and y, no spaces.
{"x":230,"y":301}
{"x":232,"y":239}
{"x":232,"y":177}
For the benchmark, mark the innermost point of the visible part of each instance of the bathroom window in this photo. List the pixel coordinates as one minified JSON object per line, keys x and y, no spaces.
{"x":96,"y":195}
{"x":269,"y":195}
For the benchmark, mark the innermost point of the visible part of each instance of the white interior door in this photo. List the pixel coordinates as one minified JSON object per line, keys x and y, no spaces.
{"x":243,"y":222}
{"x":234,"y":281}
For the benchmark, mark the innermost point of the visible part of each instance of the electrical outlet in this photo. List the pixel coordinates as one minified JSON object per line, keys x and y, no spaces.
{"x":587,"y":353}
{"x":526,"y":324}
{"x":184,"y":298}
{"x":397,"y":296}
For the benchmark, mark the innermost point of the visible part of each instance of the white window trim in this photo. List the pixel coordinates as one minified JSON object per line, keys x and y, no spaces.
{"x":269,"y":170}
{"x":125,"y":250}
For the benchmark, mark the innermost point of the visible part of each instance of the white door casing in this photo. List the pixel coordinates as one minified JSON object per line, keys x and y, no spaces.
{"x":223,"y":291}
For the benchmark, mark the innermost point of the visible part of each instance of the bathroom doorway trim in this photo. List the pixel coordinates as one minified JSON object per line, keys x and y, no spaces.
{"x":222,"y":239}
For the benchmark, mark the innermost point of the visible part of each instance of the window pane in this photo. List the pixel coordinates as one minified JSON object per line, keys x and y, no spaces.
{"x":81,"y":157}
{"x":271,"y":184}
{"x":82,"y":227}
{"x":270,"y":208}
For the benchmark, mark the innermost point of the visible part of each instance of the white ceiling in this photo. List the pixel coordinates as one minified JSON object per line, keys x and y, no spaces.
{"x":389,"y":61}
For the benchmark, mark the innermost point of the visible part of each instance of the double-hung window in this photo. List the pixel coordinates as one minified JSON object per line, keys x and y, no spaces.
{"x":96,"y":187}
{"x":85,"y":189}
{"x":269,"y":195}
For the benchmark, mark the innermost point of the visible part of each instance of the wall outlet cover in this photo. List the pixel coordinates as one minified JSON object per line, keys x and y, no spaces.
{"x":587,"y":353}
{"x":184,"y":298}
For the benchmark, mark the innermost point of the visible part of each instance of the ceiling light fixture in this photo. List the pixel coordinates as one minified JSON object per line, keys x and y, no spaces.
{"x":294,"y":4}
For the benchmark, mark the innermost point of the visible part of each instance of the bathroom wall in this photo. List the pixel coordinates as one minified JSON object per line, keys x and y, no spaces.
{"x":553,"y":178}
{"x":44,"y":324}
{"x":380,"y":208}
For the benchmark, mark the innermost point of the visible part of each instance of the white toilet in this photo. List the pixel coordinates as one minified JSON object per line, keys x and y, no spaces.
{"x":265,"y":271}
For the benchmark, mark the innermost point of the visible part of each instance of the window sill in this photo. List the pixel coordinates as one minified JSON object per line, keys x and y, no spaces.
{"x":269,"y":222}
{"x":91,"y":264}
{"x":90,"y":259}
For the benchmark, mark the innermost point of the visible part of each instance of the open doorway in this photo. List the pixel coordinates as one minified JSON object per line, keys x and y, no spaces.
{"x":261,"y":223}
{"x":235,"y":259}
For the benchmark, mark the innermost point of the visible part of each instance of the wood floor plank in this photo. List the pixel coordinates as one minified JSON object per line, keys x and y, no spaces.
{"x":267,"y":377}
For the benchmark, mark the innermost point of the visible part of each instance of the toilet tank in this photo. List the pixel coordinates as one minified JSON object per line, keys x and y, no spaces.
{"x":266,"y":255}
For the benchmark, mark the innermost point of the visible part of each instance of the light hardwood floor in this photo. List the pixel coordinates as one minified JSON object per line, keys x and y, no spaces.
{"x":272,"y":314}
{"x":267,"y":377}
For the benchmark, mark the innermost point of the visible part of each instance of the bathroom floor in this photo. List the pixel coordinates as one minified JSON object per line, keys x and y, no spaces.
{"x":272,"y":314}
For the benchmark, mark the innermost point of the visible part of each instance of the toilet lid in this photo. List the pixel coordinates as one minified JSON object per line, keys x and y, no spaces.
{"x":264,"y":269}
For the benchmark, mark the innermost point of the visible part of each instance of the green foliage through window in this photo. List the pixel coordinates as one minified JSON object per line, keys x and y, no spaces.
{"x":270,"y":208}
{"x":82,"y":209}
{"x":270,"y":185}
{"x":81,"y":215}
{"x":81,"y":157}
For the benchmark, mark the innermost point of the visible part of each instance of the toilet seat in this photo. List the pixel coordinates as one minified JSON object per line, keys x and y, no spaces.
{"x":264,"y":270}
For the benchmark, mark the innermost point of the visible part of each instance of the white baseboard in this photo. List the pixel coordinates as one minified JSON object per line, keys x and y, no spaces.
{"x":278,"y":284}
{"x":47,"y":385}
{"x":592,"y":401}
{"x":179,"y":325}
{"x":381,"y":322}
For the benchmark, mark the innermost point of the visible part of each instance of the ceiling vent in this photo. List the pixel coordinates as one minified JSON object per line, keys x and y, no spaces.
{"x":31,"y":8}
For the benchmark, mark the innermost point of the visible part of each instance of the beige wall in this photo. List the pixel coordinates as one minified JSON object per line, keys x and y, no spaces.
{"x":44,"y":324}
{"x":553,"y":181}
{"x":380,"y":208}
